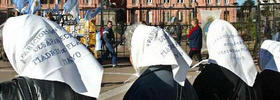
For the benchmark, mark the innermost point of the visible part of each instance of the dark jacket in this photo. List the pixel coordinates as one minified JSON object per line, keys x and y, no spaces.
{"x":195,"y":38}
{"x":23,"y":88}
{"x":267,"y":84}
{"x":108,"y":35}
{"x":217,"y":83}
{"x":157,"y":83}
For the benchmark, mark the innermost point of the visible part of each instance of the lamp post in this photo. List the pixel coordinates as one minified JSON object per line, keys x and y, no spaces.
{"x":102,"y":21}
{"x":273,"y":17}
{"x":257,"y":43}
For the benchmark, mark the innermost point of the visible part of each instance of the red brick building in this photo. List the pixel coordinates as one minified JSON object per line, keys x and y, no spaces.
{"x":149,"y":16}
{"x":156,"y":16}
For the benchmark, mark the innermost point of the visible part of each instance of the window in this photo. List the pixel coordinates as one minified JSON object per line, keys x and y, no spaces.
{"x":166,"y":1}
{"x":46,"y":1}
{"x":58,"y":1}
{"x":134,"y":1}
{"x":150,"y":13}
{"x":166,"y":16}
{"x":227,"y":2}
{"x":149,"y":1}
{"x":208,"y":1}
{"x":180,"y":1}
{"x":193,"y":1}
{"x":218,"y":2}
{"x":226,"y":15}
{"x":180,"y":15}
{"x":89,"y":2}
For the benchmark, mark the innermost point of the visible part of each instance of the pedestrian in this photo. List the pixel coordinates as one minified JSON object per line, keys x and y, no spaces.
{"x":161,"y":64}
{"x":109,"y":39}
{"x":231,"y":72}
{"x":178,"y":30}
{"x":195,"y":40}
{"x":267,"y":82}
{"x":267,"y":29}
{"x":50,"y":62}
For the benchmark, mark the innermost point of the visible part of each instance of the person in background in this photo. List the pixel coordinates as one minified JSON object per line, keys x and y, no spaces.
{"x":195,"y":40}
{"x":267,"y":29}
{"x":178,"y":30}
{"x":109,"y":39}
{"x":267,"y":82}
{"x":162,"y":75}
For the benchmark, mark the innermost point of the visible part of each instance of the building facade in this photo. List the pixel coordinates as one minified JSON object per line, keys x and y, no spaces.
{"x":148,"y":14}
{"x":163,"y":14}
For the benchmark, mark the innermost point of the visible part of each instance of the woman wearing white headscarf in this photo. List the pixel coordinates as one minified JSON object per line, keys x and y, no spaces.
{"x":267,"y":82}
{"x":231,"y":72}
{"x":51,"y":63}
{"x":161,"y":63}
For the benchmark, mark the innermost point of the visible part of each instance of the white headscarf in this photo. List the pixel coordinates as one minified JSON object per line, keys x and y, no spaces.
{"x":270,"y":55}
{"x":226,"y":48}
{"x":153,"y":46}
{"x":41,"y":49}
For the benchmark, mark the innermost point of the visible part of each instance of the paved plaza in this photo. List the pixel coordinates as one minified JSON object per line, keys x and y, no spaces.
{"x":116,"y":81}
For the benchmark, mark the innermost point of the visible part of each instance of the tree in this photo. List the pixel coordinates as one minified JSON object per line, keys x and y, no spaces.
{"x":247,"y":5}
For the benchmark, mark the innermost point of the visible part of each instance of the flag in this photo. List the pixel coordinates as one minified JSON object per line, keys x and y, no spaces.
{"x":96,"y":12}
{"x":33,"y":6}
{"x":89,"y":14}
{"x":72,"y":7}
{"x":19,"y":4}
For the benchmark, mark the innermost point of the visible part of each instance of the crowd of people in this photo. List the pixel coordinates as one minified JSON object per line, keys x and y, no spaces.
{"x":52,"y":64}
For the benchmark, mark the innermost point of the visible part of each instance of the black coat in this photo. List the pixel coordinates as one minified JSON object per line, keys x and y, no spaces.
{"x":267,"y":83}
{"x":23,"y":88}
{"x":157,"y":83}
{"x":108,"y":35}
{"x":196,"y":39}
{"x":217,"y":83}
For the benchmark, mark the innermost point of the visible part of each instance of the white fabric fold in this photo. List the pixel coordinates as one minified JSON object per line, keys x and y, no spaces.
{"x":153,"y":46}
{"x":226,"y":48}
{"x":270,"y":55}
{"x":41,"y":49}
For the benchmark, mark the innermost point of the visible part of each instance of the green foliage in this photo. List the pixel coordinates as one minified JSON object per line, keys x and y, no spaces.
{"x":249,"y":3}
{"x":248,"y":28}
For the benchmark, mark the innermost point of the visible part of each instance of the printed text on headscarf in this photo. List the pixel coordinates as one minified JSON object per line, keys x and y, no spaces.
{"x":49,"y":38}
